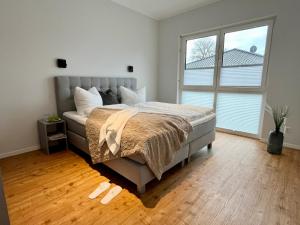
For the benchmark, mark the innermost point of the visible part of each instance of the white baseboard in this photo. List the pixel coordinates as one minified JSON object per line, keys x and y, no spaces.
{"x":287,"y":145}
{"x":19,"y":151}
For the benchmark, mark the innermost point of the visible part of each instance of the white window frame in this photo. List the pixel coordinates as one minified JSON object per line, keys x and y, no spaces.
{"x":216,"y":88}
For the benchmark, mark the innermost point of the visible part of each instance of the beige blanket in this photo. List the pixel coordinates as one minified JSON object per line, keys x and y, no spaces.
{"x":155,"y":137}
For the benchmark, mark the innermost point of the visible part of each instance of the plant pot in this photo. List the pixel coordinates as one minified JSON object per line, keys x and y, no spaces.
{"x":275,"y":142}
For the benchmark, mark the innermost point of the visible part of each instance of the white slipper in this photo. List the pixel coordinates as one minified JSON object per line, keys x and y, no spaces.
{"x":100,"y":189}
{"x":111,"y":194}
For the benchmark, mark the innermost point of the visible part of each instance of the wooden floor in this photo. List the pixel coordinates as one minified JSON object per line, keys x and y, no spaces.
{"x":237,"y":182}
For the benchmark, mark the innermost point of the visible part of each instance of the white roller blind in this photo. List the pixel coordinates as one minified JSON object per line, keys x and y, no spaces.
{"x":205,"y":99}
{"x":246,"y":76}
{"x":239,"y":112}
{"x":199,"y":77}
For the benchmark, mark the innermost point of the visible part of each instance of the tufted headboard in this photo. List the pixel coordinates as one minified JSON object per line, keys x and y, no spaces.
{"x":65,"y":85}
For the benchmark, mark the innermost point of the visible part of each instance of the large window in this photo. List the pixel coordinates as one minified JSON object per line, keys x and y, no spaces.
{"x":226,"y":70}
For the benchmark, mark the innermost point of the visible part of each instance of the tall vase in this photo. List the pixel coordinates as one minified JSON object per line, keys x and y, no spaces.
{"x":275,"y":142}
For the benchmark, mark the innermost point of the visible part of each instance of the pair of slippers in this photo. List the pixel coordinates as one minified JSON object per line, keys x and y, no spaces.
{"x":109,"y":196}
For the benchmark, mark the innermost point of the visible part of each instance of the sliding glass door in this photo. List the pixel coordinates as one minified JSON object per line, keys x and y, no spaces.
{"x":226,"y":70}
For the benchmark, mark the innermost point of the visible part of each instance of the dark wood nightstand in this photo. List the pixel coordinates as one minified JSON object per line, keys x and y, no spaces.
{"x":53,"y":135}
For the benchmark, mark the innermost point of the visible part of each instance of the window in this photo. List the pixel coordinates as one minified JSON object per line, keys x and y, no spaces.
{"x":243,"y":57}
{"x":226,"y":70}
{"x":198,"y":71}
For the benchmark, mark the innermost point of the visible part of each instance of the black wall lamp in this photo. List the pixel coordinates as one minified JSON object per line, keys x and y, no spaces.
{"x":130,"y":69}
{"x":61,"y":63}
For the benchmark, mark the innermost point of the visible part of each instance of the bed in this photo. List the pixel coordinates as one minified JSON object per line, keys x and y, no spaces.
{"x":134,"y":167}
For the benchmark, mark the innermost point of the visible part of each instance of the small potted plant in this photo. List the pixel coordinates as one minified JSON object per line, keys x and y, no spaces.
{"x":275,"y":140}
{"x":53,"y":118}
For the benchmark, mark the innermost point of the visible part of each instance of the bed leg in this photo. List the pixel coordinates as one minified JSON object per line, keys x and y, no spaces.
{"x":141,"y":189}
{"x":182,"y":163}
{"x":189,"y":159}
{"x":209,"y":146}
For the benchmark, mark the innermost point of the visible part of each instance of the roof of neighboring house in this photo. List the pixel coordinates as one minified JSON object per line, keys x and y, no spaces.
{"x":233,"y":57}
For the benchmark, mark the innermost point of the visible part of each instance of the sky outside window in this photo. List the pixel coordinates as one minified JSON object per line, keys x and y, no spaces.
{"x":245,"y":39}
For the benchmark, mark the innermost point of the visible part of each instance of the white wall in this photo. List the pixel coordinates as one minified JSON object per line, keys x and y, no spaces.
{"x":97,"y":37}
{"x":284,"y":75}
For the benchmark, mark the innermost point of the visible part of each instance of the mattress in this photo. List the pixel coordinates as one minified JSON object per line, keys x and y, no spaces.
{"x":194,"y":115}
{"x":201,"y":126}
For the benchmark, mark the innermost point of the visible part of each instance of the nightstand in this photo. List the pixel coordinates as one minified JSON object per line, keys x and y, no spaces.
{"x":53,"y":136}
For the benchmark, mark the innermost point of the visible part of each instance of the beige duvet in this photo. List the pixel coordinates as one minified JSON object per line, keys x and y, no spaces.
{"x":155,"y":137}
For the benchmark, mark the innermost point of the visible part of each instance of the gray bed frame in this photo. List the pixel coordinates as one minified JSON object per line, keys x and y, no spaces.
{"x":132,"y":168}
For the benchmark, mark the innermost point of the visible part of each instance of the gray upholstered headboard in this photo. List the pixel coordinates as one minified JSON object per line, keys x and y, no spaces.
{"x":65,"y":85}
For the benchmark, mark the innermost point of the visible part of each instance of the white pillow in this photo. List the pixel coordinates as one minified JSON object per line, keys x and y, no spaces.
{"x":86,"y":99}
{"x":130,"y":97}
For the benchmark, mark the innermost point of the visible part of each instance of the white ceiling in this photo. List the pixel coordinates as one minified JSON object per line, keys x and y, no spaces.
{"x":161,"y":9}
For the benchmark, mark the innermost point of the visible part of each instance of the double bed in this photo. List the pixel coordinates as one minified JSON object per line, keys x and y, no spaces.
{"x":133,"y":167}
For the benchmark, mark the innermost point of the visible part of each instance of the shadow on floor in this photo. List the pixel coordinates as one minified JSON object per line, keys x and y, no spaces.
{"x":155,"y":189}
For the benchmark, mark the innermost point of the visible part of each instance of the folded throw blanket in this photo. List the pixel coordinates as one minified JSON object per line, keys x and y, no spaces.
{"x":155,"y":137}
{"x":111,"y":131}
